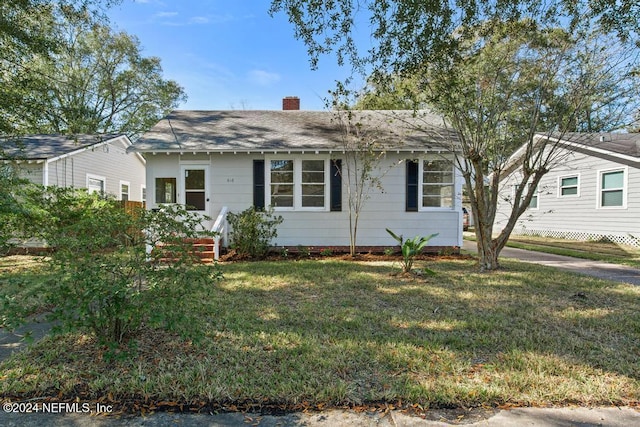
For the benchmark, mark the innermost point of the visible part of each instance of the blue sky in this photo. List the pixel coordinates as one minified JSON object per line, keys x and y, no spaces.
{"x":228,"y":54}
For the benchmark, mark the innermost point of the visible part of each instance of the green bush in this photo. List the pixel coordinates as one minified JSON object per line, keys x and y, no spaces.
{"x":252,"y":231}
{"x":104,"y":279}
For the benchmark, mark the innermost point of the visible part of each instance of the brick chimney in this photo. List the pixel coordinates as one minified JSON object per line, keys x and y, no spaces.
{"x":290,"y":103}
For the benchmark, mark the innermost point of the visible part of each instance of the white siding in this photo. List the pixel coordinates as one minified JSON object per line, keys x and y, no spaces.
{"x":31,"y":171}
{"x":231,"y":185}
{"x":577,"y":215}
{"x":110,"y":161}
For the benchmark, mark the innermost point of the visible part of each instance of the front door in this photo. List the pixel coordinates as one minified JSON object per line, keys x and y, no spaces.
{"x":195,"y":188}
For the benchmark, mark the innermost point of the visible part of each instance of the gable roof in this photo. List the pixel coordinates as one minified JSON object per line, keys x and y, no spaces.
{"x":599,"y":144}
{"x":47,"y":147}
{"x":294,"y":130}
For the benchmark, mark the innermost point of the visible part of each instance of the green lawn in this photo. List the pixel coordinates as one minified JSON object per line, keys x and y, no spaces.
{"x":318,"y":333}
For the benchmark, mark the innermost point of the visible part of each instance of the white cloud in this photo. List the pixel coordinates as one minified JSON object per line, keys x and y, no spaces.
{"x":165,"y":14}
{"x":199,"y":20}
{"x":263,"y":78}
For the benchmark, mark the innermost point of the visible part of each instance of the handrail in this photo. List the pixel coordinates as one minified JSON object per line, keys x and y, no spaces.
{"x":220,"y":228}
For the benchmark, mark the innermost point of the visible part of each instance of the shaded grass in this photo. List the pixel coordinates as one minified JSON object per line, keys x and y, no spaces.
{"x":344,"y":333}
{"x":22,"y":286}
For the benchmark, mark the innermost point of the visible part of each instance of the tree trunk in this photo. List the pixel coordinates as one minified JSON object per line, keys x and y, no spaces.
{"x":488,"y":254}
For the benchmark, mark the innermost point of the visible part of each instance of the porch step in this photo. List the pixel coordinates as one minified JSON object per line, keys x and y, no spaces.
{"x":203,"y":248}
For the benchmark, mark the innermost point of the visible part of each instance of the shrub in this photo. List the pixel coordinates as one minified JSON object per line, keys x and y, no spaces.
{"x":105,"y":282}
{"x":410,"y":248}
{"x":252,"y":231}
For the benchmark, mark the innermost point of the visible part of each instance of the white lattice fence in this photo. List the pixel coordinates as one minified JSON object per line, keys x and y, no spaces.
{"x":583,"y":236}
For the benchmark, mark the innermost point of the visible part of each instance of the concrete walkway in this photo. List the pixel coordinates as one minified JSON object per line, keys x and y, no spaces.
{"x":601,"y":270}
{"x":544,"y":417}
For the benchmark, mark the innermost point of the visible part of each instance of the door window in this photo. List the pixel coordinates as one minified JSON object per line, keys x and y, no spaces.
{"x":194,"y":183}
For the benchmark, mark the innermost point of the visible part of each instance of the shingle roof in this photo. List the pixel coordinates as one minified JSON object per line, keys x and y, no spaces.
{"x":627,"y":144}
{"x":40,"y":147}
{"x":287,"y":130}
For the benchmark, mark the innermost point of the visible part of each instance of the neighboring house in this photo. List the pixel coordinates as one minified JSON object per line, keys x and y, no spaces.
{"x":592,"y":193}
{"x":96,"y":162}
{"x":294,"y":162}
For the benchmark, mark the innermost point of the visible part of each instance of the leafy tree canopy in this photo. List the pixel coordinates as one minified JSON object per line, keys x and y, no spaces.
{"x":407,"y":32}
{"x":70,"y":73}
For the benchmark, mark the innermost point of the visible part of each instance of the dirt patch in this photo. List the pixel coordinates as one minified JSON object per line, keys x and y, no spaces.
{"x":233,"y":256}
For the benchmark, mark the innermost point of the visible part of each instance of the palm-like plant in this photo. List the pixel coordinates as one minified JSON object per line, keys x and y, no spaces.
{"x":410,"y":248}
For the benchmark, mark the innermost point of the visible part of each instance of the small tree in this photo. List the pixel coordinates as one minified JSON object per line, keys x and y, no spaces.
{"x":106,"y":282}
{"x":363,"y":137}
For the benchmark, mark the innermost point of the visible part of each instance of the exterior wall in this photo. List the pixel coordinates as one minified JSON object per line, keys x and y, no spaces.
{"x":578,"y":216}
{"x":231,"y":184}
{"x":31,"y":171}
{"x":109,"y":162}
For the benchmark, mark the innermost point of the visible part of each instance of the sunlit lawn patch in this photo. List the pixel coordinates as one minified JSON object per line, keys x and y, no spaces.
{"x":334,"y":332}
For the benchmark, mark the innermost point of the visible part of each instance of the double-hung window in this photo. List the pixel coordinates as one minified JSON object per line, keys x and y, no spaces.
{"x":124,"y":190}
{"x":297,"y":184}
{"x":438,"y":183}
{"x":165,"y":190}
{"x":568,"y":186}
{"x":612,"y":189}
{"x":96,"y":184}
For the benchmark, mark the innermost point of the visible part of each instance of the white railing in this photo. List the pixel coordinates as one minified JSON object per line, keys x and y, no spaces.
{"x":221,"y":228}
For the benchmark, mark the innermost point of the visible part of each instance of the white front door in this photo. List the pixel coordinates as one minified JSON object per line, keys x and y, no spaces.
{"x":195,"y":189}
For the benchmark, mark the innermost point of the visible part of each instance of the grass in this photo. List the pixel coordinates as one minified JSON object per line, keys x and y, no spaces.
{"x":321,"y":333}
{"x":22,"y":282}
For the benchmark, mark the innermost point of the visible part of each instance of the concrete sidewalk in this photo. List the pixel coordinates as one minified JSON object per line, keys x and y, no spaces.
{"x":601,"y":270}
{"x":545,"y":417}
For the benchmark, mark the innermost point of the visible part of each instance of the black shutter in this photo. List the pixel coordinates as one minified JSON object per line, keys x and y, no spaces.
{"x":258,"y":184}
{"x":412,"y":186}
{"x":335,"y":185}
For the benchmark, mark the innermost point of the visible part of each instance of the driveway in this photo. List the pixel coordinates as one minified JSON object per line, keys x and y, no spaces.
{"x":601,"y":270}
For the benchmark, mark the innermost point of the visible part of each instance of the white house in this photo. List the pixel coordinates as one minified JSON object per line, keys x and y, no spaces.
{"x":96,"y":162}
{"x":214,"y":161}
{"x":592,"y":193}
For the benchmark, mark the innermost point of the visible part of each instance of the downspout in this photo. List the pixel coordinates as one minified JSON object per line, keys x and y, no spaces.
{"x":45,"y":174}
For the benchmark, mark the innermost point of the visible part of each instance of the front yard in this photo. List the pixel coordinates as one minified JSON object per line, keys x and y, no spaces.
{"x":320,"y":333}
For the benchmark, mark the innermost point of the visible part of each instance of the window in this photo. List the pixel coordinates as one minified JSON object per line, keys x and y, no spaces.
{"x":437,"y":183}
{"x":612,"y":189}
{"x":124,"y":190}
{"x":297,"y":183}
{"x":568,"y":186}
{"x":533,"y":204}
{"x":313,"y":183}
{"x":96,"y":184}
{"x":165,"y":190}
{"x":281,"y":172}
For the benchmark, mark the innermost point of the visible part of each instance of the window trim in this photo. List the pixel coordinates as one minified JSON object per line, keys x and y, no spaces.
{"x":97,"y":177}
{"x":297,"y":182}
{"x":128,"y":184}
{"x":561,"y":187}
{"x":625,"y":178}
{"x":421,"y":207}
